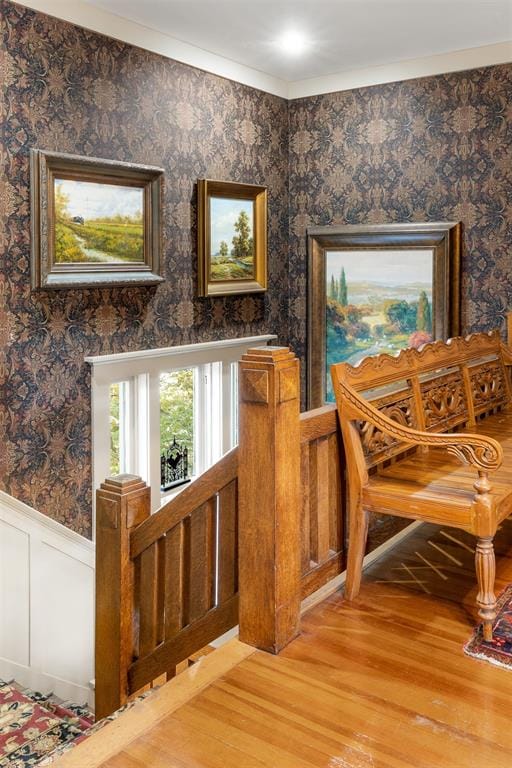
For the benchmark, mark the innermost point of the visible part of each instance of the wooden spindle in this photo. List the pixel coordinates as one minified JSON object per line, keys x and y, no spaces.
{"x":122,"y":502}
{"x":269,"y":498}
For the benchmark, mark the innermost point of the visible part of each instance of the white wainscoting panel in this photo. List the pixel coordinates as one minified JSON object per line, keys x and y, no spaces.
{"x":14,"y":593}
{"x":46,"y":603}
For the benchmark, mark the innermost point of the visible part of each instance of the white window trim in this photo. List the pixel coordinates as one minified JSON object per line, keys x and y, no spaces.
{"x":142,"y":370}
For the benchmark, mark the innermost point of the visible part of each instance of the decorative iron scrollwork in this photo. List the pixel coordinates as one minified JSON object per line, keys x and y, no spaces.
{"x":174,"y":466}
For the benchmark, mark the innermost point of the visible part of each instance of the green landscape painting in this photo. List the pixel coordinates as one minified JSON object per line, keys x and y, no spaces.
{"x":98,"y":222}
{"x":231,"y":239}
{"x":376,"y":301}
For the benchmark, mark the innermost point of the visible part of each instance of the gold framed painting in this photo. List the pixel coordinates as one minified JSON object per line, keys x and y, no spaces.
{"x":94,"y":222}
{"x":232,"y":237}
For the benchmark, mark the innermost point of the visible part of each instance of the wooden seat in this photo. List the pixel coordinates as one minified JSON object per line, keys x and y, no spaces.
{"x":436,"y":476}
{"x":428,"y":436}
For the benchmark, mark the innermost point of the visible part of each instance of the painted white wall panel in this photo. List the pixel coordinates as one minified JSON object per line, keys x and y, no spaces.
{"x":14,"y":593}
{"x":46,"y":603}
{"x":62,"y":614}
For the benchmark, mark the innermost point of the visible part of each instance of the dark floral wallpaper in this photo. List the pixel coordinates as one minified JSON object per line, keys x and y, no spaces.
{"x":426,"y":149}
{"x":437,"y":148}
{"x":71,"y":90}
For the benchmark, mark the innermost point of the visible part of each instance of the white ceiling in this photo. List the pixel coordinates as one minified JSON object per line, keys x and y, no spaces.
{"x":352,"y":43}
{"x":344,"y":34}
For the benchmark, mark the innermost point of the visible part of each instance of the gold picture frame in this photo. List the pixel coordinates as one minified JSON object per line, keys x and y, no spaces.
{"x":94,"y":222}
{"x":232,"y":238}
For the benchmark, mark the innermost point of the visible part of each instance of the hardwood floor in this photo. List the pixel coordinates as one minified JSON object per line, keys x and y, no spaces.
{"x":379,"y":683}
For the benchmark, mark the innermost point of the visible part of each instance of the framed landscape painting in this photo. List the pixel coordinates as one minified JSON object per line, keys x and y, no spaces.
{"x":232,"y":237}
{"x":378,"y":289}
{"x":94,"y":222}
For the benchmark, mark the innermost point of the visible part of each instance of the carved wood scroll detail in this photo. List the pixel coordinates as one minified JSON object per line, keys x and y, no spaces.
{"x":479,"y":451}
{"x":444,"y":402}
{"x":377,"y":444}
{"x":488,"y":385}
{"x":382,"y":369}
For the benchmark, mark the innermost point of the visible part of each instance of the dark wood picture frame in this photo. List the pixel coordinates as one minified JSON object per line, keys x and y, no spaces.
{"x":206,"y":189}
{"x":46,"y":273}
{"x":444,"y":238}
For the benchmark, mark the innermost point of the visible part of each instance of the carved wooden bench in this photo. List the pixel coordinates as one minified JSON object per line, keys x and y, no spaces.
{"x":411,"y":425}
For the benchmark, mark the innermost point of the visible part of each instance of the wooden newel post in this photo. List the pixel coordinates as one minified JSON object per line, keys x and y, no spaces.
{"x":269,"y":498}
{"x":122,"y":502}
{"x":508,"y":317}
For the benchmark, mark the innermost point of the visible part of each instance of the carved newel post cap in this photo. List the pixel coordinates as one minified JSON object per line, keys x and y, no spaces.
{"x":123,"y":483}
{"x":268,"y":355}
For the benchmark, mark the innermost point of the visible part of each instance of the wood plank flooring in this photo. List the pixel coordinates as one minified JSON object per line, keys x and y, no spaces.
{"x":379,"y":683}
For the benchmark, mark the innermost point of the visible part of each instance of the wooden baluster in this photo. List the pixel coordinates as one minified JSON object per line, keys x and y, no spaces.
{"x":335,"y":495}
{"x":306,"y":559}
{"x":175,"y":599}
{"x":319,"y":500}
{"x":269,"y":498}
{"x":228,"y":571}
{"x":176,"y":581}
{"x":122,"y":502}
{"x":148,"y":610}
{"x":202,"y":559}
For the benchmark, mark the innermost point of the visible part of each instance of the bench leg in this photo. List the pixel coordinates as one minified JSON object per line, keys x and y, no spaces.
{"x":486,"y":571}
{"x":357,"y":535}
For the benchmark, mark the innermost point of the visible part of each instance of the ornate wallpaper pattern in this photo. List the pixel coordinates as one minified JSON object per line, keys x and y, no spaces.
{"x":427,"y":149}
{"x":436,"y":148}
{"x":71,"y":90}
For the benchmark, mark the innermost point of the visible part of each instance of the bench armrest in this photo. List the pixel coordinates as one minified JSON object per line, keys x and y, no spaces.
{"x":483,"y":453}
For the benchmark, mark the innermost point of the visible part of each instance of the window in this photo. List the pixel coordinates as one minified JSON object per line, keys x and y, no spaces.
{"x":119,"y":440}
{"x":178,"y":396}
{"x":166,"y":414}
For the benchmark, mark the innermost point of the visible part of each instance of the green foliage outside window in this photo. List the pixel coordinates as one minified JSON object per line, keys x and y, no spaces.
{"x":114,"y":429}
{"x":177,"y":411}
{"x":176,"y":415}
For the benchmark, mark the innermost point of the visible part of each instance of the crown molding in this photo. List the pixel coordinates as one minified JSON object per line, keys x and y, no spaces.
{"x":97,"y":20}
{"x":440,"y":64}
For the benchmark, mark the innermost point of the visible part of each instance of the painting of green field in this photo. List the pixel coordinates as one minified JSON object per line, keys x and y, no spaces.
{"x":231,"y":239}
{"x":376,"y":301}
{"x":98,"y":222}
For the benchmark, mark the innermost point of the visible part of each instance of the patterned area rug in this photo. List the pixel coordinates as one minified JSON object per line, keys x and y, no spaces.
{"x":499,"y":651}
{"x":33,"y":725}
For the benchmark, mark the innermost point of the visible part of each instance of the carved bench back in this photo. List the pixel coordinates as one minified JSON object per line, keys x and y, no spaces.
{"x":438,"y":388}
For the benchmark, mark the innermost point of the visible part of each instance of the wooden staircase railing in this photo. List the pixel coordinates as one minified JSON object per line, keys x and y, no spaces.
{"x":322,"y":481}
{"x":166,"y":584}
{"x":244,"y":542}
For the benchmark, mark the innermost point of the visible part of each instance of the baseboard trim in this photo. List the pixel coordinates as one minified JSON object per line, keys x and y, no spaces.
{"x":335,"y":584}
{"x":45,"y":683}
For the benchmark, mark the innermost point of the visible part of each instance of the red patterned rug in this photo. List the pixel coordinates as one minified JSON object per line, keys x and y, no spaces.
{"x":33,"y":725}
{"x":499,"y":651}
